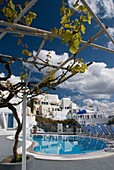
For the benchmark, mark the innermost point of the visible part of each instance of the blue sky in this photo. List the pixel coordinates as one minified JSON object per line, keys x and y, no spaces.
{"x":96,"y":85}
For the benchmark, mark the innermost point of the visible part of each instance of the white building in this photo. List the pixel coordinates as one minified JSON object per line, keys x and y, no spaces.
{"x":66,"y":106}
{"x":45,"y":104}
{"x":7,"y":120}
{"x":91,"y":115}
{"x":49,"y":105}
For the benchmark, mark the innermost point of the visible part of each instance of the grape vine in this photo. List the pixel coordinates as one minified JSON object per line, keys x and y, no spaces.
{"x":11,"y":11}
{"x":71,"y":29}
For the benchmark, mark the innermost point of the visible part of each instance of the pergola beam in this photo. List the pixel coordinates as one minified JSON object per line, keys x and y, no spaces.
{"x":30,"y":31}
{"x":70,"y":58}
{"x":97,"y":20}
{"x":20,"y":27}
{"x":71,"y":75}
{"x":18,"y":32}
{"x":24,"y":99}
{"x":97,"y":46}
{"x":35,"y":58}
{"x":20,"y":15}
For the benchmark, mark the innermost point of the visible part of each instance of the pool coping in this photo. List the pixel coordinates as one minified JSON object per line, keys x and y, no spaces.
{"x":91,"y":155}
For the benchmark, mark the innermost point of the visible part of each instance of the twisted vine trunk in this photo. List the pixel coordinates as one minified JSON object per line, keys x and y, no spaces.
{"x":19,"y":128}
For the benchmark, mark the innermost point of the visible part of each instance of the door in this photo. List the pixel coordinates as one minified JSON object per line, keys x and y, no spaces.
{"x":10,"y":120}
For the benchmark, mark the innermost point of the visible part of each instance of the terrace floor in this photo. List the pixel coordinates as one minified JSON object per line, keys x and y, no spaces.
{"x":89,"y":164}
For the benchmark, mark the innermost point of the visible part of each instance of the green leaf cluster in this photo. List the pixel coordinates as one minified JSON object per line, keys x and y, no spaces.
{"x":72,"y":28}
{"x":19,"y":158}
{"x":50,"y":80}
{"x":11,"y":11}
{"x":29,"y":18}
{"x":85,"y":18}
{"x":80,"y":67}
{"x":26,"y":52}
{"x":1,"y":2}
{"x":23,"y":76}
{"x":9,"y":84}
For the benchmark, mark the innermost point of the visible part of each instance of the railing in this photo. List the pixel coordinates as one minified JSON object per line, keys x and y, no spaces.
{"x":71,"y":128}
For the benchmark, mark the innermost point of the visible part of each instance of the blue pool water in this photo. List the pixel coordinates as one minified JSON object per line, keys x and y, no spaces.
{"x":67,"y":144}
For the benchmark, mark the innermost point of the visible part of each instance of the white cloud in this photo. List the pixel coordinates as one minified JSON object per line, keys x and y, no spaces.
{"x":106,"y":105}
{"x":76,"y":98}
{"x":95,"y":102}
{"x":55,"y":58}
{"x":97,"y":82}
{"x":107,"y":7}
{"x":102,"y":8}
{"x":111,"y":32}
{"x":71,"y":2}
{"x":2,"y":75}
{"x":13,"y":79}
{"x":110,"y":45}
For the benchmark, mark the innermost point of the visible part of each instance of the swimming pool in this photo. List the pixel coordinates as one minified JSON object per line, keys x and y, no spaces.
{"x":62,"y":145}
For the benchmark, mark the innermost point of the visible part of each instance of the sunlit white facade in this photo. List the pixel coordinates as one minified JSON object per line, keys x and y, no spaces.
{"x":7,"y":120}
{"x":50,"y":106}
{"x":91,"y":115}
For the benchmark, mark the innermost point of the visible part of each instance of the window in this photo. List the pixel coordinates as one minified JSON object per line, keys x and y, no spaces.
{"x":95,"y":116}
{"x":35,"y":102}
{"x":37,"y":112}
{"x":44,"y":103}
{"x":56,"y":109}
{"x":67,"y":107}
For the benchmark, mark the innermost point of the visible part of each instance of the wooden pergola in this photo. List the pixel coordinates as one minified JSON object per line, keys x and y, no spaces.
{"x":18,"y":29}
{"x":15,"y":28}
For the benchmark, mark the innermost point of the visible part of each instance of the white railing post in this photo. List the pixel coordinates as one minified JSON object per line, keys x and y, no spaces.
{"x":24,"y":132}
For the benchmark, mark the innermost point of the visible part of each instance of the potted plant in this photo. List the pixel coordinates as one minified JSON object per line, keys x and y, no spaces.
{"x":35,"y":129}
{"x":8,"y":164}
{"x":69,"y":32}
